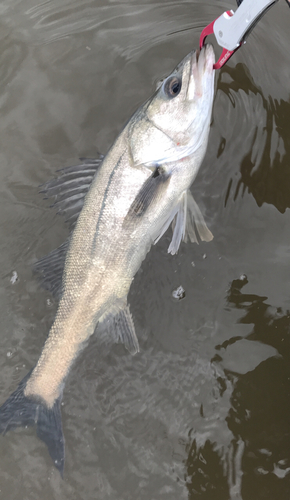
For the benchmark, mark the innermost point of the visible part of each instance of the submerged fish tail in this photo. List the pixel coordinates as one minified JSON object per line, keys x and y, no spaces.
{"x":20,"y":410}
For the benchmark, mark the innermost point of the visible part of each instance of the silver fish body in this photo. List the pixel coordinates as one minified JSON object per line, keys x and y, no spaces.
{"x":139,"y":189}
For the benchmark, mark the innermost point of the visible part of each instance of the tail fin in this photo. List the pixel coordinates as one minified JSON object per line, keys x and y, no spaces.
{"x":20,"y":410}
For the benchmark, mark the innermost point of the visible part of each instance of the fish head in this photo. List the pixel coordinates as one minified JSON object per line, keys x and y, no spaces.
{"x":174,"y":122}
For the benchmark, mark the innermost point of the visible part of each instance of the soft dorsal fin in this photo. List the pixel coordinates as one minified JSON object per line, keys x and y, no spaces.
{"x":69,"y":191}
{"x":50,"y":269}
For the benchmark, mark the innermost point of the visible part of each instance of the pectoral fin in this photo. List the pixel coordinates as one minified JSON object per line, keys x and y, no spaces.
{"x":186,"y":219}
{"x":150,"y":191}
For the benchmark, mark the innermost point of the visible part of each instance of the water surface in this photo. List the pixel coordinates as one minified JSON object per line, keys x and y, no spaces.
{"x":204,"y":410}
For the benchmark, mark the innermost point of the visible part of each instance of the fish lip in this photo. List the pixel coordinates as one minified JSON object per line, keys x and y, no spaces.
{"x":206,"y":58}
{"x":203,"y":59}
{"x":202,"y":71}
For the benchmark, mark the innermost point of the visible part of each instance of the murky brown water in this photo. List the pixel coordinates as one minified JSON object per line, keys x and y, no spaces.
{"x":204,"y":410}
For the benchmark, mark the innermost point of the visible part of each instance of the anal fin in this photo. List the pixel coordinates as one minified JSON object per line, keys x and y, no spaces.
{"x":120,"y":325}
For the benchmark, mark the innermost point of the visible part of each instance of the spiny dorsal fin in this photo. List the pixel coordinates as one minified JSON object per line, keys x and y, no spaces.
{"x":70,"y":188}
{"x":69,"y":191}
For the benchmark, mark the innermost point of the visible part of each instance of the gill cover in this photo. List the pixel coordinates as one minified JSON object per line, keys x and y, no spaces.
{"x":175,"y":120}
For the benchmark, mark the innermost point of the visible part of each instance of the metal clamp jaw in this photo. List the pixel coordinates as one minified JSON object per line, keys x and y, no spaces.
{"x":232,"y":28}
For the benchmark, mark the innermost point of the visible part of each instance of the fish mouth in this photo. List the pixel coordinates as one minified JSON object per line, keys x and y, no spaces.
{"x":205,"y":58}
{"x":202,"y":72}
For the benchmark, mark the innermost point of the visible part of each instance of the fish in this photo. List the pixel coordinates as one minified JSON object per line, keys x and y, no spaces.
{"x":118,"y":206}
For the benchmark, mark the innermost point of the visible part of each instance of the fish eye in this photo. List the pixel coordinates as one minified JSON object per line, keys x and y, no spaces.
{"x":172,"y":86}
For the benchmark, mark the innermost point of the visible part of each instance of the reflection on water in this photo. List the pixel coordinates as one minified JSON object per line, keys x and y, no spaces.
{"x":260,"y":412}
{"x":203,"y":410}
{"x":257,"y":463}
{"x":265,"y":166}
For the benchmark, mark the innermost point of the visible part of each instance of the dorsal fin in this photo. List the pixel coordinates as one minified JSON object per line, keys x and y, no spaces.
{"x":50,"y":269}
{"x":69,"y":191}
{"x":70,"y":188}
